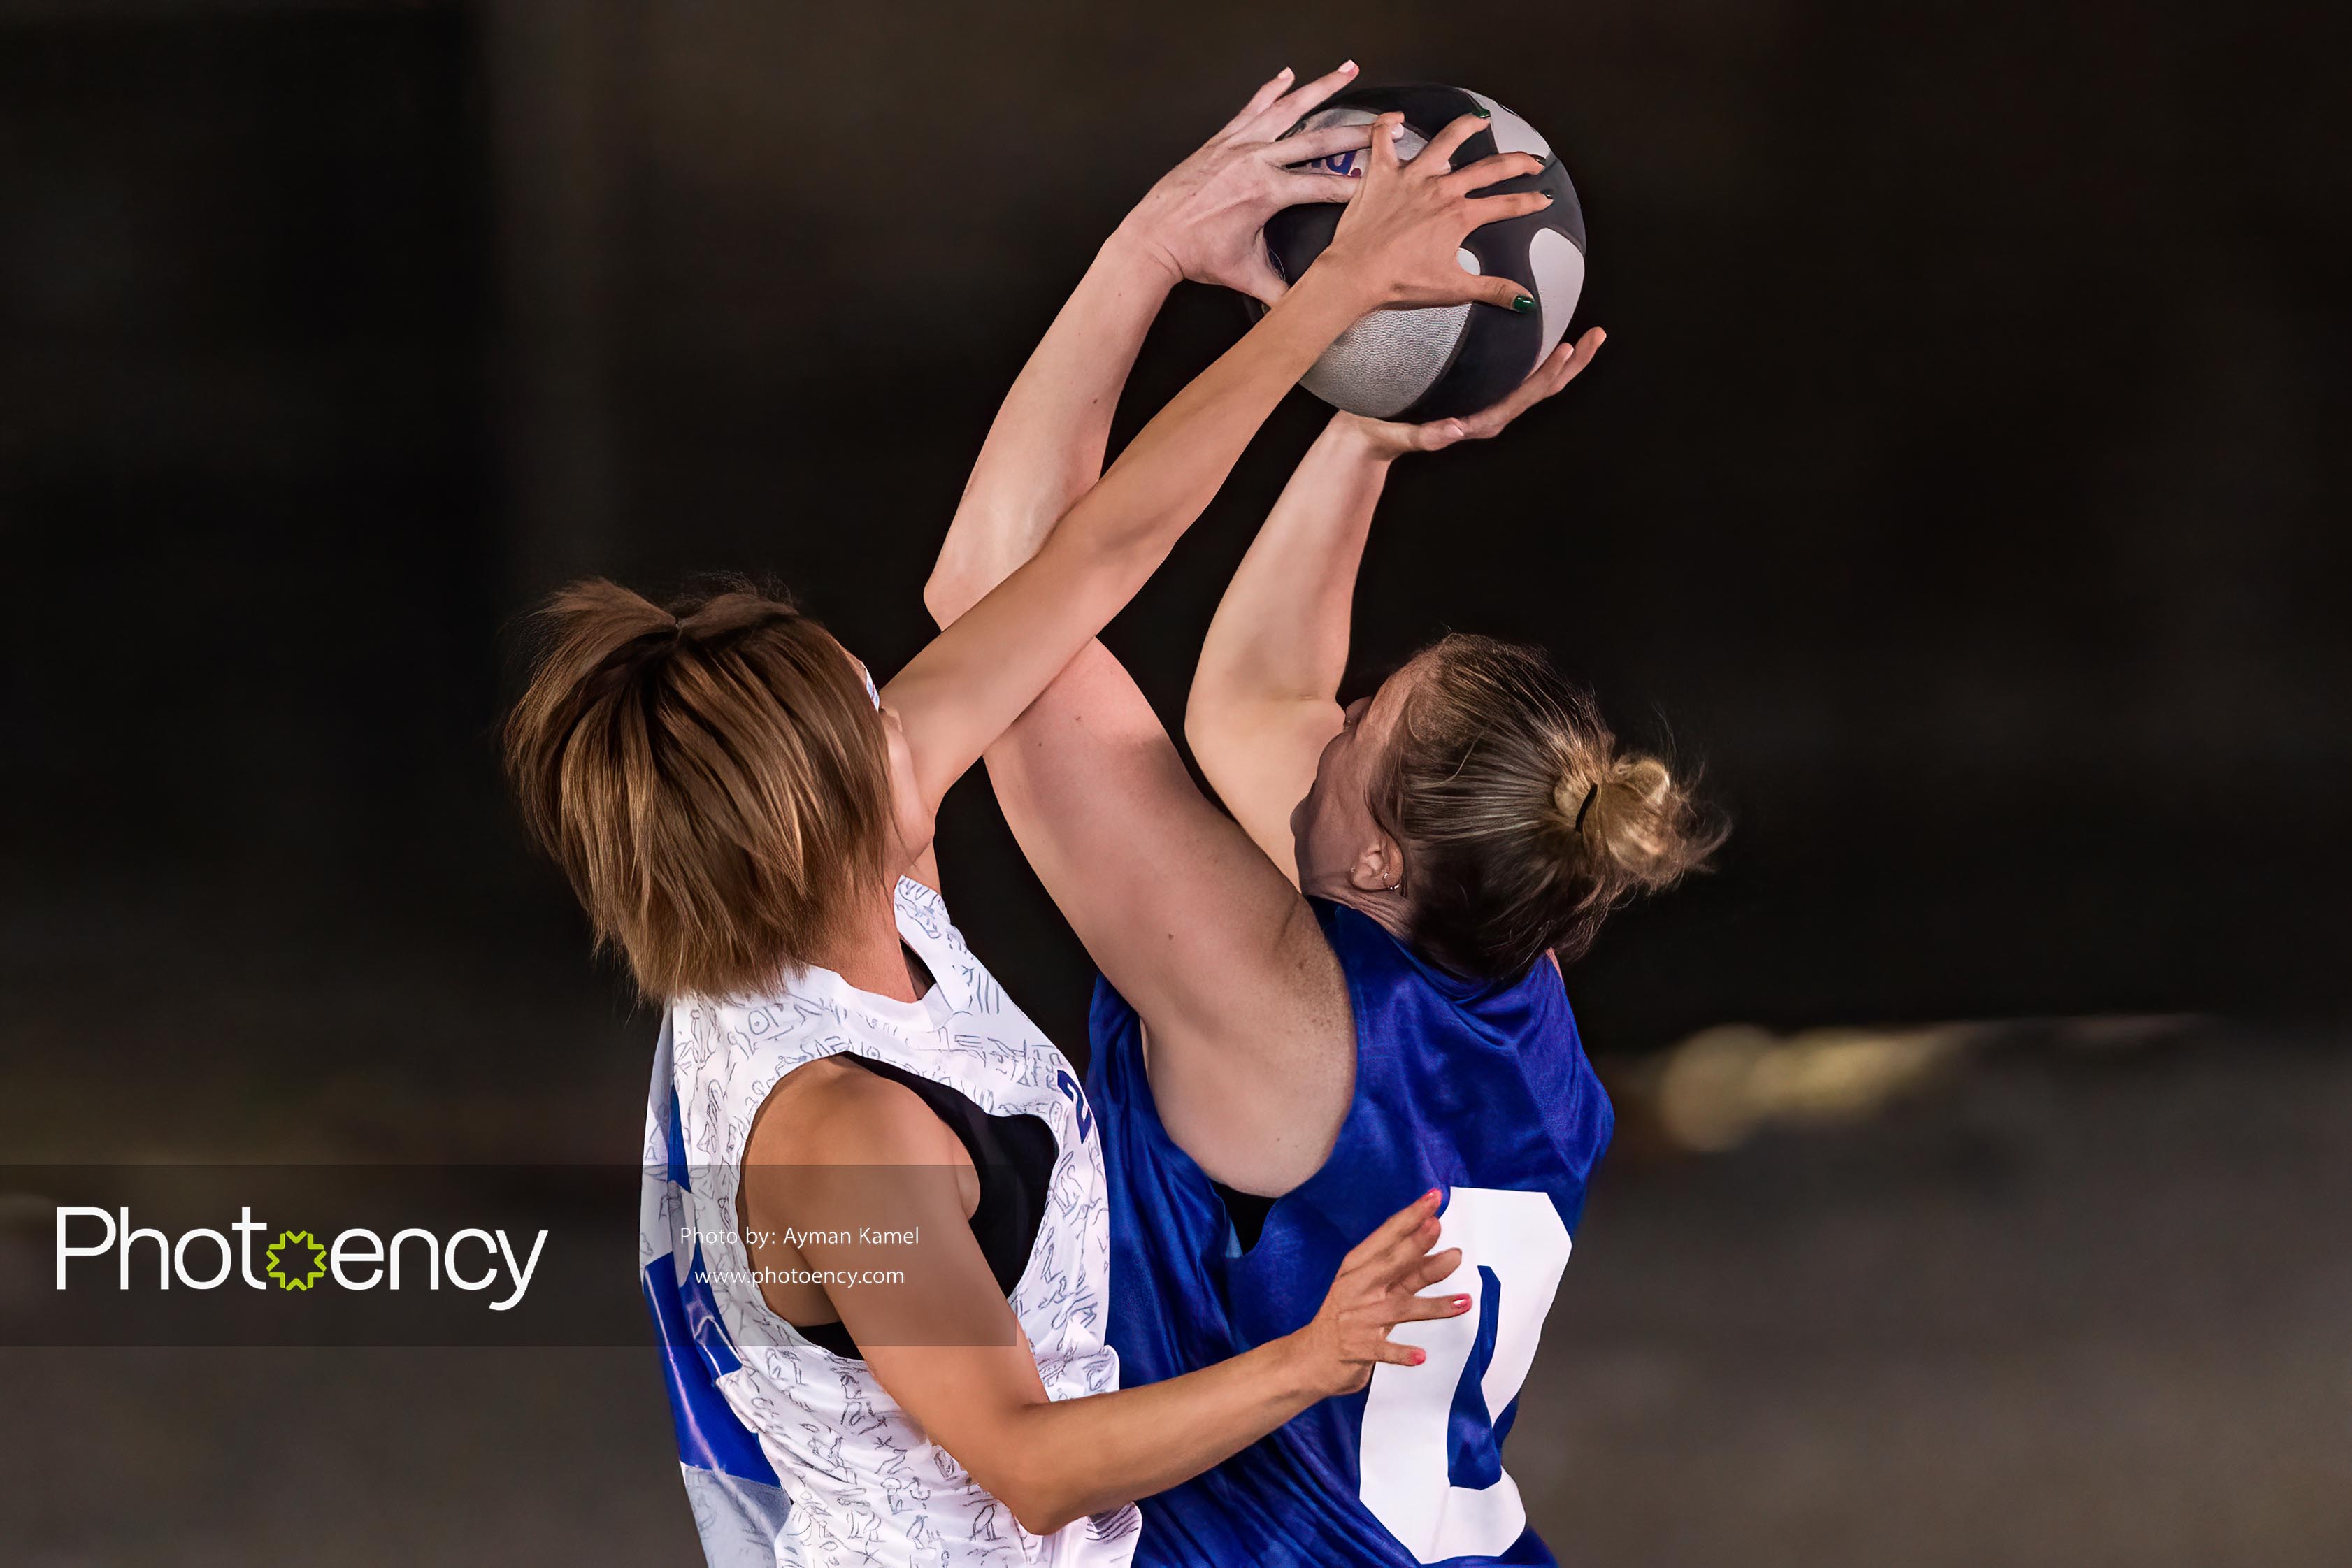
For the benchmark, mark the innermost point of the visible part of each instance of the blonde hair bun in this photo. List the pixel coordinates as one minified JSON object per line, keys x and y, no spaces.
{"x":1508,"y":791}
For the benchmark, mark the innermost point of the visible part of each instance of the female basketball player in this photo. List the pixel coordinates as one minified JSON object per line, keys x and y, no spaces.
{"x":1350,"y":995}
{"x":879,"y":1236}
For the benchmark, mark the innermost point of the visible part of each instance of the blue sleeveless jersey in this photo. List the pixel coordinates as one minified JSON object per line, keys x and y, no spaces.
{"x":1481,"y":1090}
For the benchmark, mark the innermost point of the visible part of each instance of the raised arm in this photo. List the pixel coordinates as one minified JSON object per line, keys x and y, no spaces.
{"x":1395,"y":248}
{"x":1202,"y":221}
{"x":1250,"y":1040}
{"x":1265,"y":697}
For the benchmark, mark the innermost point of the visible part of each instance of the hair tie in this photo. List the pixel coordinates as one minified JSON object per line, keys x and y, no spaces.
{"x":1586,"y":806}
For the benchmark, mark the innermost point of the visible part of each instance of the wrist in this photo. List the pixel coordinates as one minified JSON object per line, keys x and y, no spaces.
{"x":1344,"y":283}
{"x":1132,"y":250}
{"x":1305,"y":1372}
{"x":1362,"y":439}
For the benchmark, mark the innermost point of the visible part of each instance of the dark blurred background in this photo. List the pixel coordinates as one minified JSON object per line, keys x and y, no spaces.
{"x":1964,"y":485}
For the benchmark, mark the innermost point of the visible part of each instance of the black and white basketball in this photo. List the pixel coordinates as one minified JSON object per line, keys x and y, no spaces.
{"x":1449,"y":359}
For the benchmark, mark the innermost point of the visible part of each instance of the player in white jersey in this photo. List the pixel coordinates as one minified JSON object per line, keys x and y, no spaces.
{"x":748,"y":822}
{"x":857,"y":1476}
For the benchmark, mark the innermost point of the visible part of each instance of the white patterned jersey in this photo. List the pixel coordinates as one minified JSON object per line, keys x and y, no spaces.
{"x":795,"y":1457}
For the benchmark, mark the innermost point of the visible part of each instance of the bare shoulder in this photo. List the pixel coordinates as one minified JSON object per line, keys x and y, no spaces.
{"x":833,"y":1112}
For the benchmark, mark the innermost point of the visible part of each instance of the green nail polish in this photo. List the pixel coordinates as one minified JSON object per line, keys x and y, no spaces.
{"x":1483,"y":112}
{"x":1523,"y":305}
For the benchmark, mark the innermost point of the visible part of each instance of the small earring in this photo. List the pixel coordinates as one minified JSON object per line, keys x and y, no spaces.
{"x":1398,"y":882}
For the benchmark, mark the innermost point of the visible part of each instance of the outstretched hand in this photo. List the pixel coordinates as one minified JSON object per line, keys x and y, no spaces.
{"x":1205,"y":218}
{"x":1399,"y":241}
{"x":1560,"y":367}
{"x":1377,"y":1288}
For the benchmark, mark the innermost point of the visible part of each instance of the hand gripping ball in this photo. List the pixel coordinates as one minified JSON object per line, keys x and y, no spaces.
{"x":1447,"y":360}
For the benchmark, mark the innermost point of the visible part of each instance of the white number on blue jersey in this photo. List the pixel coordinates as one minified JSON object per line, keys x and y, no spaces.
{"x":1403,"y":1477}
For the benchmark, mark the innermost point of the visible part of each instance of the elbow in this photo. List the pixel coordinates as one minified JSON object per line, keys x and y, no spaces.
{"x":1041,"y":1506}
{"x":1208,"y":723}
{"x":1043,"y":1489}
{"x":1043,"y":1520}
{"x":947,"y":594}
{"x":1200,"y":711}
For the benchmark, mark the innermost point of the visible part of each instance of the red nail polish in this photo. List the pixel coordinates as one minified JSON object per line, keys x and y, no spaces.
{"x":1461,"y":1303}
{"x":1418,"y":1356}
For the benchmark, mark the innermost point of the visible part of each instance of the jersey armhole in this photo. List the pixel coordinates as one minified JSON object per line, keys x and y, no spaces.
{"x":1012,"y":1155}
{"x":1246,"y":1214}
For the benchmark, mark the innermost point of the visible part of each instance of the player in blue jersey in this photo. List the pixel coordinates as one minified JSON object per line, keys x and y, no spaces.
{"x":1344,"y":993}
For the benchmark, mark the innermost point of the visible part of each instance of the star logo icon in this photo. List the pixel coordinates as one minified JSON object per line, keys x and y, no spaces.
{"x":296,"y":1260}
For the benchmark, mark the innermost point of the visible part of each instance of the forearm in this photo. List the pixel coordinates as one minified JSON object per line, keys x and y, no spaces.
{"x":1045,"y":448}
{"x":961,"y":693}
{"x":946,"y":1344}
{"x":1176,"y":465}
{"x":1281,"y":632}
{"x":1072,"y":1457}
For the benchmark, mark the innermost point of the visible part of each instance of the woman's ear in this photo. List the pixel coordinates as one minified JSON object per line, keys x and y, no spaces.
{"x":1379,"y":868}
